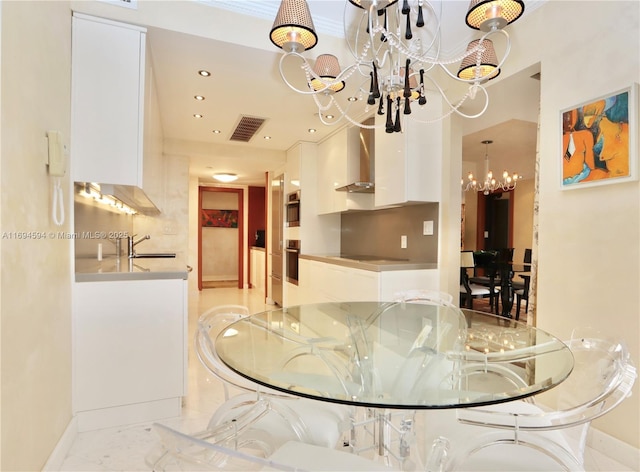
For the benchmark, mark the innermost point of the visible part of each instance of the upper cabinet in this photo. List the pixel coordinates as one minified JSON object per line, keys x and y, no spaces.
{"x":409,"y":164}
{"x":108,"y":88}
{"x":336,"y":156}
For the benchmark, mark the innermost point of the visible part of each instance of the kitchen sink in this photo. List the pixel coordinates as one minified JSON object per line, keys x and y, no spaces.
{"x":155,"y":255}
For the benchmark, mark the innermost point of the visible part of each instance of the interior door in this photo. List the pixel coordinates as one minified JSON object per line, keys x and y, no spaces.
{"x":495,"y":220}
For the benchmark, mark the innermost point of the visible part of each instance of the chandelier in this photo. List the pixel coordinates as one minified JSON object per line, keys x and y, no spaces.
{"x":396,"y":49}
{"x":490,"y":184}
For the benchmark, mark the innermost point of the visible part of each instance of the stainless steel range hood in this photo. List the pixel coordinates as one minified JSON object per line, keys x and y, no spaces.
{"x":135,"y":197}
{"x":365,"y":182}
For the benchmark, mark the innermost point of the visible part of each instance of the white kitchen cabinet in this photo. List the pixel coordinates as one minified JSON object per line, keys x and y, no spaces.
{"x":107,"y":101}
{"x":325,"y":282}
{"x":394,"y":281}
{"x":338,"y":158}
{"x":322,"y":282}
{"x":409,"y":164}
{"x":129,"y":351}
{"x":258,"y":273}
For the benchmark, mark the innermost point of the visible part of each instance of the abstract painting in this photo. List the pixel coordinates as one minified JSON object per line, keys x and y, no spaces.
{"x":599,"y":141}
{"x":219,"y":218}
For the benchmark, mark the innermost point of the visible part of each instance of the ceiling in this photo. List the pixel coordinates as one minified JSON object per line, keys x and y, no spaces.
{"x":245,"y":81}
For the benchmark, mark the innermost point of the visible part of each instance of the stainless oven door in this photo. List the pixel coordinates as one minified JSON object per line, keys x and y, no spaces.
{"x":292,"y":265}
{"x":293,"y":213}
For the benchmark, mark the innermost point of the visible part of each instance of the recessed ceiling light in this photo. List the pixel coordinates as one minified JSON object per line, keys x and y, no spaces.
{"x":312,"y":130}
{"x":198,"y":97}
{"x":267,"y":137}
{"x":225,"y":177}
{"x":197,"y":115}
{"x":217,"y":131}
{"x":352,"y":99}
{"x":329,"y":117}
{"x":204,"y":73}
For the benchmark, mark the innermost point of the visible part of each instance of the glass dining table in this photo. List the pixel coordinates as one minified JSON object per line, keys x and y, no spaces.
{"x":390,"y":356}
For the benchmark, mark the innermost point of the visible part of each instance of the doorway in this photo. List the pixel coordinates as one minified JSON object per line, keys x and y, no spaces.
{"x":495,"y":220}
{"x":220,"y":236}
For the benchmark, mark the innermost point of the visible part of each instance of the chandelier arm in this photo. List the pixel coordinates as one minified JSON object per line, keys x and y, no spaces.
{"x":437,"y":34}
{"x":364,"y":18}
{"x":284,"y":78}
{"x":343,"y":114}
{"x":456,"y":108}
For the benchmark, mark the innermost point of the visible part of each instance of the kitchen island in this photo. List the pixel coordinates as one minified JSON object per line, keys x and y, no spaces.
{"x":329,"y":278}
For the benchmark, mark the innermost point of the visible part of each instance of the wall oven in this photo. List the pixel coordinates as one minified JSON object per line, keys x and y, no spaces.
{"x":293,"y":254}
{"x":293,"y":209}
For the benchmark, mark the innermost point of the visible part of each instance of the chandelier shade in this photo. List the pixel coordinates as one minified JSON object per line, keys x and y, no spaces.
{"x":293,"y":28}
{"x":396,"y":50}
{"x":484,"y":67}
{"x":486,"y":15}
{"x":326,"y":67}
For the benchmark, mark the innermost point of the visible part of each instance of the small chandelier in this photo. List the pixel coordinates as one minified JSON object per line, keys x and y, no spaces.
{"x":490,"y":184}
{"x":396,"y":51}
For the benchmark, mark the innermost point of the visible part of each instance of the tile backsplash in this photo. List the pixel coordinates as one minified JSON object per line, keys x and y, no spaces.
{"x":93,"y":220}
{"x":378,"y":233}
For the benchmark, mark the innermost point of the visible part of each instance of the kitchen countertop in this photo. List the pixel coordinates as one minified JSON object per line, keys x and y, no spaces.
{"x":372,"y":263}
{"x":113,"y":268}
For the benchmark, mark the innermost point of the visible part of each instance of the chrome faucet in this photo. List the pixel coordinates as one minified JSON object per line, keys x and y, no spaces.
{"x":133,"y":244}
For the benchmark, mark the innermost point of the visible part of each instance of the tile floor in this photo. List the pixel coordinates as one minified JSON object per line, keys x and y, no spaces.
{"x":124,"y":448}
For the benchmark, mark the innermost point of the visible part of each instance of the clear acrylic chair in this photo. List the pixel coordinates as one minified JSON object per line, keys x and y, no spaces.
{"x":314,"y":422}
{"x":252,"y":449}
{"x":424,"y":295}
{"x":211,"y":323}
{"x":414,"y":368}
{"x":531,"y":436}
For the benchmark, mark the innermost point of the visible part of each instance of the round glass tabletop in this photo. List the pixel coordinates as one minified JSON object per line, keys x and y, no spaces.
{"x":394,"y":354}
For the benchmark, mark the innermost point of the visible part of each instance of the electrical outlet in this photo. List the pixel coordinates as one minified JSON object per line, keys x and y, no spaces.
{"x":427,"y":228}
{"x":403,"y":241}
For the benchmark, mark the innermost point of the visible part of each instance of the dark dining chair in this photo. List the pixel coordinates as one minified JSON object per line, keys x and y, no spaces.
{"x":487,"y":275}
{"x":468,"y":289}
{"x":522,"y":294}
{"x":526,"y":260}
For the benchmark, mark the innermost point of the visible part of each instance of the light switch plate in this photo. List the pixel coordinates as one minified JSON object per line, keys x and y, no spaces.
{"x":427,"y":228}
{"x":403,"y":241}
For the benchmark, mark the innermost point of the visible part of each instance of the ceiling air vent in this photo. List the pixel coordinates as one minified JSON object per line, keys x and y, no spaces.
{"x":246,"y":128}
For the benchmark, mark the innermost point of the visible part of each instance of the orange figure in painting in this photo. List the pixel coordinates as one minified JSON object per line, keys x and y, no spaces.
{"x":615,"y":147}
{"x":578,"y":161}
{"x":596,"y":140}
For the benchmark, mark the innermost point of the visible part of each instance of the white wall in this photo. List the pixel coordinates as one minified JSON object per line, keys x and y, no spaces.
{"x":589,"y":261}
{"x":523,"y":196}
{"x":36,"y":273}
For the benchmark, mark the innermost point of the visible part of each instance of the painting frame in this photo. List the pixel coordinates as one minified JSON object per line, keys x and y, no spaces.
{"x":592,"y":138}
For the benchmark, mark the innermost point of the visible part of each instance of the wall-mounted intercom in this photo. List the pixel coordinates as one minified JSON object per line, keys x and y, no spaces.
{"x":56,"y":156}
